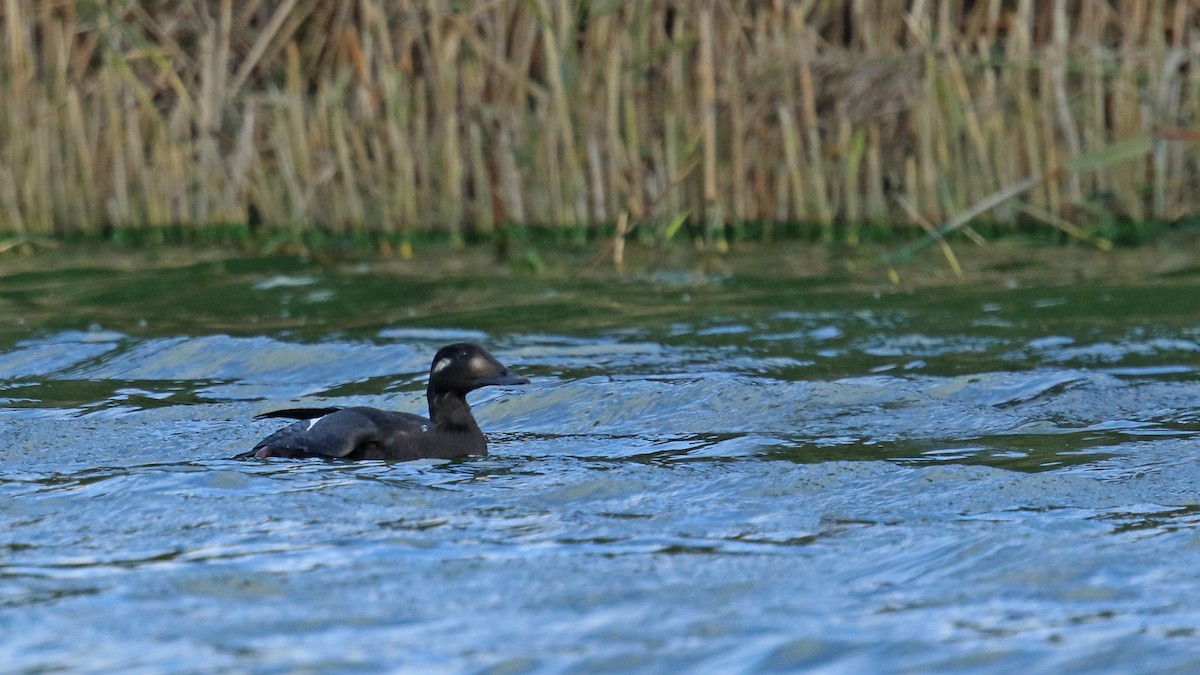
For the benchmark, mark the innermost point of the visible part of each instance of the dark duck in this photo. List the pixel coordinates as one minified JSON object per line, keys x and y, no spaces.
{"x":370,"y":433}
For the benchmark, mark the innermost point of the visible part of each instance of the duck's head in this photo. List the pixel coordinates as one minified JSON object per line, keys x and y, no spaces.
{"x":465,"y":366}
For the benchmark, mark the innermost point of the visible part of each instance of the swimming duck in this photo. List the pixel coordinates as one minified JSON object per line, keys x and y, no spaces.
{"x":370,"y":433}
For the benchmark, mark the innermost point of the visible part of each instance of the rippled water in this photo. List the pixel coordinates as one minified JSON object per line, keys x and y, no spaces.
{"x":731,"y":473}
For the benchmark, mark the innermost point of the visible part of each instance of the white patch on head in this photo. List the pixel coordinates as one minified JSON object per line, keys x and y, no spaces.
{"x":424,"y":427}
{"x":441,"y":365}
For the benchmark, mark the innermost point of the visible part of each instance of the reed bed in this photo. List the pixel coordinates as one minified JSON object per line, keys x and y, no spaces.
{"x":402,"y":116}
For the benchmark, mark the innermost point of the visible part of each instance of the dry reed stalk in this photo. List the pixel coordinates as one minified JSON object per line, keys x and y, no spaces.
{"x":960,"y":220}
{"x":553,"y":203}
{"x":1071,"y":229}
{"x":19,"y":66}
{"x":444,"y":50}
{"x":737,"y":145}
{"x":118,"y":201}
{"x":273,"y":29}
{"x":207,"y":113}
{"x":876,"y":203}
{"x":969,"y":104}
{"x":926,"y":191}
{"x":286,"y":170}
{"x":782,"y":213}
{"x":354,"y":212}
{"x":933,"y":233}
{"x":575,"y":192}
{"x":811,"y":124}
{"x":672,"y":146}
{"x":619,"y":239}
{"x":618,"y":162}
{"x":510,"y":179}
{"x":423,"y":156}
{"x":296,"y":143}
{"x":791,"y":148}
{"x":386,"y":114}
{"x":706,"y":68}
{"x":635,"y":177}
{"x":401,"y":187}
{"x":15,"y":219}
{"x":854,"y":143}
{"x":596,"y":168}
{"x":1024,"y":68}
{"x":82,"y":164}
{"x":480,"y":183}
{"x":1057,"y":66}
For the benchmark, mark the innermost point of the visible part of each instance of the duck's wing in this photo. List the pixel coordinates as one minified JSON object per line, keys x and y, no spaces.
{"x":404,"y":436}
{"x":298,"y":413}
{"x":339,"y":433}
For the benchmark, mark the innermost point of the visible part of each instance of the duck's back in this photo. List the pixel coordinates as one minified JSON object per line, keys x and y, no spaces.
{"x":367,"y":433}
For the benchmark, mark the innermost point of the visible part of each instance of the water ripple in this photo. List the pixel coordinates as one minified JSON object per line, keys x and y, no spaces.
{"x":762,"y":477}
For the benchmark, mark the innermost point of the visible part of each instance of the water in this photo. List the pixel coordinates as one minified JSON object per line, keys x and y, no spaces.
{"x":718,"y":472}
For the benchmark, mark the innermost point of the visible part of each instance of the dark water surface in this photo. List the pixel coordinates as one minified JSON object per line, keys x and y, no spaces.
{"x":726,"y":473}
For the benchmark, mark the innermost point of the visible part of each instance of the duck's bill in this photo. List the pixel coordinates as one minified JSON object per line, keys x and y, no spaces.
{"x":504,"y":378}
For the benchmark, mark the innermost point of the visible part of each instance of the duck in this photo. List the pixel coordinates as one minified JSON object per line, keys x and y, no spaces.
{"x":361,"y":432}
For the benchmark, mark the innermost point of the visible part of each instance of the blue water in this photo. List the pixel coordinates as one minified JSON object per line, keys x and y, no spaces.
{"x":710,"y":472}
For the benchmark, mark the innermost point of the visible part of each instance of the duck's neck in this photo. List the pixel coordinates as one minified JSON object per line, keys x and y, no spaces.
{"x":449,"y":410}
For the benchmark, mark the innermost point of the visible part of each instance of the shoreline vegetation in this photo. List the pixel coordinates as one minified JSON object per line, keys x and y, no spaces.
{"x":840,"y":121}
{"x":1169,"y":257}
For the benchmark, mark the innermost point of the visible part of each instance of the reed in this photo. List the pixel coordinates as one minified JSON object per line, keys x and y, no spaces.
{"x":397,"y":116}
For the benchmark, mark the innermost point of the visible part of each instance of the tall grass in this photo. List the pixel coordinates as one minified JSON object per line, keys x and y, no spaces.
{"x":403,"y":115}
